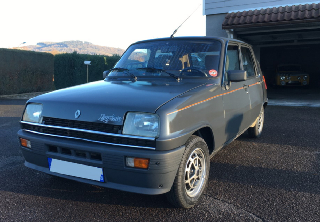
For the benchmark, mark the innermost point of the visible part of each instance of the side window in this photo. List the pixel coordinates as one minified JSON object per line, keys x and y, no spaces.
{"x":232,"y":62}
{"x":247,"y":61}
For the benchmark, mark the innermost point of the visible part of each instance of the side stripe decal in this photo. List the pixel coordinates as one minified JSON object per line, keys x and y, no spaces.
{"x":194,"y":104}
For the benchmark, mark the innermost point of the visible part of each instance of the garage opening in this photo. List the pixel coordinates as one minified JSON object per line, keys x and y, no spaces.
{"x":307,"y":57}
{"x":283,"y":36}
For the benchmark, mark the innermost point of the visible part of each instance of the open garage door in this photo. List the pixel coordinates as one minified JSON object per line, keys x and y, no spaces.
{"x":280,"y":36}
{"x":306,"y":57}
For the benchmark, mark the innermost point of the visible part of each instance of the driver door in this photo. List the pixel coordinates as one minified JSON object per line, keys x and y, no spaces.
{"x":236,"y":100}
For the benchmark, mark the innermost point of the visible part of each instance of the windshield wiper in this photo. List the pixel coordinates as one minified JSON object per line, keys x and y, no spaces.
{"x":152,"y":69}
{"x":126,"y":71}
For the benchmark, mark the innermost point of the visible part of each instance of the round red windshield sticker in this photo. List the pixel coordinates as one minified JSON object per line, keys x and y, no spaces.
{"x":213,"y":73}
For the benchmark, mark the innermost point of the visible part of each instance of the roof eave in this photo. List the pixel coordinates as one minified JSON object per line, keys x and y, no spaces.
{"x":273,"y":24}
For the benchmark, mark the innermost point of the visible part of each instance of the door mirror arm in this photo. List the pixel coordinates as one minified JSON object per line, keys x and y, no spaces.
{"x":227,"y":85}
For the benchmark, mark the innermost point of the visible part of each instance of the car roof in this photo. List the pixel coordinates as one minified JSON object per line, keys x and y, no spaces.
{"x":221,"y":39}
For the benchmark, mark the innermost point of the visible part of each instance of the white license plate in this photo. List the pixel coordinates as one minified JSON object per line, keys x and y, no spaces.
{"x":76,"y":170}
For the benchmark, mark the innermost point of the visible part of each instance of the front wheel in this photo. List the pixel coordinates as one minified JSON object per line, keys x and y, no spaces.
{"x":192,"y":176}
{"x":256,"y":131}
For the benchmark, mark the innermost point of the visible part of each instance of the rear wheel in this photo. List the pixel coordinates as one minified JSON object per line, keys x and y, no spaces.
{"x":256,"y":131}
{"x":192,"y":176}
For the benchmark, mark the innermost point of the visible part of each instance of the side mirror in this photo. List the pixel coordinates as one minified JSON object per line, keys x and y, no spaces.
{"x":105,"y":73}
{"x":237,"y":75}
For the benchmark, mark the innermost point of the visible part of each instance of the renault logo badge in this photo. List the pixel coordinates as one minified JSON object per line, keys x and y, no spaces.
{"x":77,"y":114}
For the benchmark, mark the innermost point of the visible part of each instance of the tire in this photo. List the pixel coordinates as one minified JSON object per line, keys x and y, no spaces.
{"x":256,"y":131}
{"x":192,"y":176}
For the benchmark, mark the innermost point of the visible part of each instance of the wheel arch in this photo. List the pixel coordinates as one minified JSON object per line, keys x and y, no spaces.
{"x":207,"y":135}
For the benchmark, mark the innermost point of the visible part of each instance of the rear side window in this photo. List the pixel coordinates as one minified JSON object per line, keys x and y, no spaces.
{"x":247,"y":61}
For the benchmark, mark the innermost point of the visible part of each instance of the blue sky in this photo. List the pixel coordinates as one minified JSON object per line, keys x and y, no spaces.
{"x":114,"y":23}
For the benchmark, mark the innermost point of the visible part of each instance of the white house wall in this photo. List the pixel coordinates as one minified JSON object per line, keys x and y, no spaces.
{"x":212,"y":7}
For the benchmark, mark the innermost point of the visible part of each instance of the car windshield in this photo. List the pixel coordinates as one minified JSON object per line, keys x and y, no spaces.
{"x":174,"y":58}
{"x":289,"y":68}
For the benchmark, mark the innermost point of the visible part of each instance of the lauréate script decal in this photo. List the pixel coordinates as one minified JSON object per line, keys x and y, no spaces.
{"x":104,"y":118}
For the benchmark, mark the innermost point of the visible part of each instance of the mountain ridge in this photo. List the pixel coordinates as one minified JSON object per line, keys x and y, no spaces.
{"x":81,"y":47}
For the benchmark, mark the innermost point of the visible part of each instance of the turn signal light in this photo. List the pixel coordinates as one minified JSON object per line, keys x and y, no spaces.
{"x":142,"y":163}
{"x":25,"y":143}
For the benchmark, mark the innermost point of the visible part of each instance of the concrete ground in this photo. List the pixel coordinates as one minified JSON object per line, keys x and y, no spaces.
{"x":294,"y":96}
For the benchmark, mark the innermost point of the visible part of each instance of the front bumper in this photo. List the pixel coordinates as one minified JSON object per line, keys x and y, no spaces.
{"x":293,"y":81}
{"x":157,"y":179}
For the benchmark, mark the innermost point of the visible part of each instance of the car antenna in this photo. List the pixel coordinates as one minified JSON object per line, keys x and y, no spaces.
{"x":175,"y":31}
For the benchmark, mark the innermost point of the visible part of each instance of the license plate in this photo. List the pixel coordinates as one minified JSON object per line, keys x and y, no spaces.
{"x":76,"y":170}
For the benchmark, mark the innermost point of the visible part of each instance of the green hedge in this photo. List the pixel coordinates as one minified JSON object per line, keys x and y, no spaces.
{"x":69,"y":68}
{"x":25,"y":71}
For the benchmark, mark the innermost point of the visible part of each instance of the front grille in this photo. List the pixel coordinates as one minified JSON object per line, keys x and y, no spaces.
{"x":89,"y":136}
{"x":75,"y":153}
{"x":101,"y":127}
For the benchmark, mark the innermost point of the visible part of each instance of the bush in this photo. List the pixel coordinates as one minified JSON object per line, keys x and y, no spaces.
{"x":69,"y":68}
{"x":25,"y":71}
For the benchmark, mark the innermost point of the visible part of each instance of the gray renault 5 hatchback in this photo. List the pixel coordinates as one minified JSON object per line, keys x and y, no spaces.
{"x":153,"y":123}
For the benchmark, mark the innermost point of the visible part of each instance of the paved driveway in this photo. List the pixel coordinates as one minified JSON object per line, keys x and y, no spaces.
{"x":294,"y":96}
{"x":273,"y":178}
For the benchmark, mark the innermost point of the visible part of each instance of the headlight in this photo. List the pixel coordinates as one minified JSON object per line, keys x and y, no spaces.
{"x":141,"y":124}
{"x":33,"y":113}
{"x":305,"y":77}
{"x":282,"y":77}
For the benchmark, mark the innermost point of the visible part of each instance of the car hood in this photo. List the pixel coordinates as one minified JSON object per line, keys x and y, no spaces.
{"x":109,"y":101}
